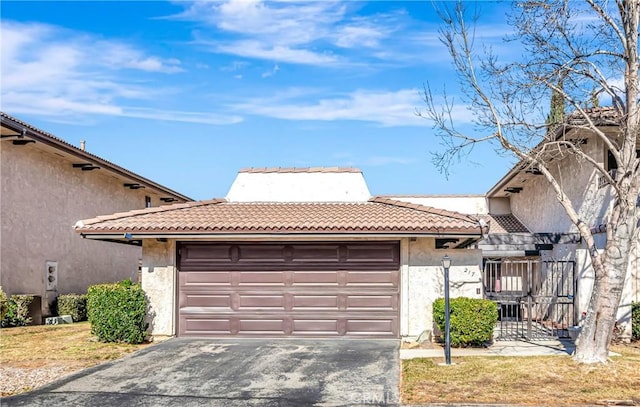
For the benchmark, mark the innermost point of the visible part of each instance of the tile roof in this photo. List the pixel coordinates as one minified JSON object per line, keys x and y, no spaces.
{"x":601,"y":116}
{"x":378,"y":215}
{"x":300,"y":169}
{"x":504,"y":224}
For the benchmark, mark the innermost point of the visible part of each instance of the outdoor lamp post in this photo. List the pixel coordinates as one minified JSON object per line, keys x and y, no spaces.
{"x":446,"y":263}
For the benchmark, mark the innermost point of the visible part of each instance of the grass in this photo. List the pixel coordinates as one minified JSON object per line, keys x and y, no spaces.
{"x":549,"y":380}
{"x":71,"y":347}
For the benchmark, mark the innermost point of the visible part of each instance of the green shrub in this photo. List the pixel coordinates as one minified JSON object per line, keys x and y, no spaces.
{"x":4,"y":304}
{"x":117,"y":312}
{"x":74,"y":305}
{"x":472,"y":320}
{"x":635,"y":321}
{"x":17,"y":313}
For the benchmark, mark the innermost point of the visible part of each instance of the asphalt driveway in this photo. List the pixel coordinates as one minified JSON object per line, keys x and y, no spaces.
{"x":235,"y":372}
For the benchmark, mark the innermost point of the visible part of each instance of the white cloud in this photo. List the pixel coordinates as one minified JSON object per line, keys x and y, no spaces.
{"x":281,"y":53}
{"x":272,"y":72}
{"x":52,"y":71}
{"x":386,"y":108}
{"x":287,"y":31}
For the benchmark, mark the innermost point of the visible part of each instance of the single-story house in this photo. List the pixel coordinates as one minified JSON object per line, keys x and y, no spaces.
{"x":297,"y":252}
{"x":46,"y":184}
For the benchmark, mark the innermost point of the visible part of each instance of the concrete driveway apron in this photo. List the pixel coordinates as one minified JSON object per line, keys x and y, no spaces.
{"x":235,"y":372}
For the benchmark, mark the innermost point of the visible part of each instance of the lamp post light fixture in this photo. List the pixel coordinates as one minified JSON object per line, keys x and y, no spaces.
{"x":446,"y":263}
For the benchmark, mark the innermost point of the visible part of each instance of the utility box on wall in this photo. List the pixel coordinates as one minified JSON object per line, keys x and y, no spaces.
{"x":51,"y":275}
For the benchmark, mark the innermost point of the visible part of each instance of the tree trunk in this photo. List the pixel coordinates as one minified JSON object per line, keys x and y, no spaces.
{"x":593,"y":344}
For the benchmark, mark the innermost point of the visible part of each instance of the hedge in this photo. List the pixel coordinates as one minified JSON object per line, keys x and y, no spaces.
{"x":4,"y":304}
{"x":16,"y":310}
{"x":74,"y":305}
{"x":635,"y":321}
{"x":117,"y":312}
{"x":472,"y":320}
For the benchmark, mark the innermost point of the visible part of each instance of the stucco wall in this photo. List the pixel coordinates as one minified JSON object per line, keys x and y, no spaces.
{"x":42,"y":197}
{"x":470,"y":204}
{"x":423,"y":281}
{"x":159,"y":283}
{"x":538,"y":208}
{"x":299,"y":187}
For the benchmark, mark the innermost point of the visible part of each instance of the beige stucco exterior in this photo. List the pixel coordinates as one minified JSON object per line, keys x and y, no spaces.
{"x":421,"y":282}
{"x":537,"y":207}
{"x":42,"y":196}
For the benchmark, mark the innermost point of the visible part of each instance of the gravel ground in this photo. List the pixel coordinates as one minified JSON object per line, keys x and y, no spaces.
{"x":18,"y":380}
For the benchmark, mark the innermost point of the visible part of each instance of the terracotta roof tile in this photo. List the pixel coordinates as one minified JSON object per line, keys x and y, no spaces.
{"x":600,"y":115}
{"x":219,"y":216}
{"x":504,"y":224}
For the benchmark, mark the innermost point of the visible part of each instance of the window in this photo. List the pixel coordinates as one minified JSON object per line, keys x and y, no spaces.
{"x":147,"y":202}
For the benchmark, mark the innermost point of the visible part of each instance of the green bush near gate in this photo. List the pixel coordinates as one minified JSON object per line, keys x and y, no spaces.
{"x":74,"y":305}
{"x":117,"y":312}
{"x":472,"y":320}
{"x":635,"y":321}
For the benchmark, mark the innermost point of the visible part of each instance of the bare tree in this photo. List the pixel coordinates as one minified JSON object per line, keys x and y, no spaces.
{"x":571,"y":51}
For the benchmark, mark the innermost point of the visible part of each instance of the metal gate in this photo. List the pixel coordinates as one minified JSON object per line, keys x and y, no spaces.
{"x":535,"y":298}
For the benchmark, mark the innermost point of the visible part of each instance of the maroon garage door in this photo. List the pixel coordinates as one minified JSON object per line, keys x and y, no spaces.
{"x":310,"y":289}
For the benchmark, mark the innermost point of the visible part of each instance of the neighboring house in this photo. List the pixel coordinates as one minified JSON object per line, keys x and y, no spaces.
{"x":297,"y":252}
{"x":46,"y":186}
{"x":538,"y":269}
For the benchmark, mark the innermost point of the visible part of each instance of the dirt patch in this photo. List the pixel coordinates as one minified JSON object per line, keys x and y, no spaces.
{"x":36,"y":355}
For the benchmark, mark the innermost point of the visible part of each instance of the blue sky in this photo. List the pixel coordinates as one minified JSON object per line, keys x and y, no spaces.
{"x":188,"y":93}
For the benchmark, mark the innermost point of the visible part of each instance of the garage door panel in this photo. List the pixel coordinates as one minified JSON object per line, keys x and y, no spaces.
{"x":301,"y":302}
{"x":372,"y":253}
{"x":258,"y":301}
{"x":314,"y":327}
{"x":315,"y":278}
{"x":261,"y":326}
{"x":370,"y":326}
{"x":218,"y":300}
{"x":205,"y":326}
{"x":206,"y":278}
{"x":316,"y":252}
{"x":261,"y":253}
{"x":373,"y":302}
{"x":378,"y":278}
{"x":298,"y":289}
{"x":261,"y":278}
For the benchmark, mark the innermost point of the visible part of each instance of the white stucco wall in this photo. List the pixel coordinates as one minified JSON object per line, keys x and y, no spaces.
{"x":468,"y":204}
{"x":299,"y":187}
{"x":537,"y":205}
{"x":42,"y":197}
{"x":159,"y":283}
{"x":422,"y":281}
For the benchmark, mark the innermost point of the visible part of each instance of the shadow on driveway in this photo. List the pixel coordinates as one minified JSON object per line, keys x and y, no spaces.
{"x":234,"y":372}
